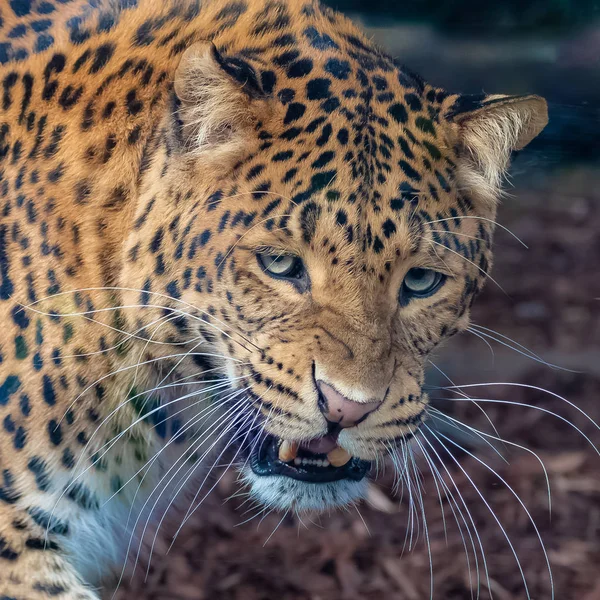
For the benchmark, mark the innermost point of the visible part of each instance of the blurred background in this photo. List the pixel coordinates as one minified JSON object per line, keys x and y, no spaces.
{"x":544,"y":308}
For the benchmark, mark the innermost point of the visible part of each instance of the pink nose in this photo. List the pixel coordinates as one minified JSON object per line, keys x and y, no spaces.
{"x":338,"y":409}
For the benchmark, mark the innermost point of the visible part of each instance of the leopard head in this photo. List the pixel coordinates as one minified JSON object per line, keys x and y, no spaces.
{"x":319,"y":220}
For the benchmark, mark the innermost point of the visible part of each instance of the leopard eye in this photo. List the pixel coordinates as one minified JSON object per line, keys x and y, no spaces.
{"x":420,"y":283}
{"x":281,"y":265}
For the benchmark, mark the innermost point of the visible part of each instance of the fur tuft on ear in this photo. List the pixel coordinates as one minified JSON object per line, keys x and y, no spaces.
{"x":217,"y":102}
{"x":489,"y":128}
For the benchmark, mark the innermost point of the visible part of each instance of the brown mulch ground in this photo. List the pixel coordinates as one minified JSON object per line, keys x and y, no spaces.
{"x":551,"y":306}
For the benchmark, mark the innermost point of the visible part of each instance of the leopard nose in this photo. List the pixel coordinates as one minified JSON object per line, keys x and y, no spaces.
{"x":341,"y":410}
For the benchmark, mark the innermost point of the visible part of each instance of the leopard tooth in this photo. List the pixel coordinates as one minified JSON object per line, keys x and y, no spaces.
{"x":338,"y":457}
{"x":288,"y":451}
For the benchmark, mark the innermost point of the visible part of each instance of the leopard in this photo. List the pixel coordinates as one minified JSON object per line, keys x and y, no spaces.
{"x":230,"y":230}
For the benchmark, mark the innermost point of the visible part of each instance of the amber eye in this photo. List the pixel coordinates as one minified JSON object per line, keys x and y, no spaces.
{"x":420,"y":283}
{"x":281,"y":265}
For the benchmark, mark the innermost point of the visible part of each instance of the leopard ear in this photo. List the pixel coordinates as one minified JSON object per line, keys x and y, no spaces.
{"x":218,"y":101}
{"x":489,"y":129}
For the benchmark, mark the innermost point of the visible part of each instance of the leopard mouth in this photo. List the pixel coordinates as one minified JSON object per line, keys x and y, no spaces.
{"x":318,"y":461}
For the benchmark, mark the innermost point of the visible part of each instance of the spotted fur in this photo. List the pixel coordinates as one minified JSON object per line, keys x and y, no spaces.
{"x":148,"y":151}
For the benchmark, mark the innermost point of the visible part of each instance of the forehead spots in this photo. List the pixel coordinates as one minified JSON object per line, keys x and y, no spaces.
{"x":323,"y":159}
{"x":408,"y":79}
{"x":380,"y":83}
{"x":405,"y":148}
{"x":17,"y":31}
{"x":287,"y":39}
{"x":377,"y":245}
{"x":308,"y":220}
{"x":268,"y":81}
{"x":340,"y":69}
{"x":388,"y":228}
{"x":21,"y":7}
{"x":318,"y":89}
{"x":291,"y":133}
{"x":425,"y":125}
{"x":407,"y":194}
{"x":45,"y":8}
{"x":286,"y":58}
{"x":320,"y":41}
{"x":286,"y":95}
{"x":320,"y":180}
{"x":330,"y":105}
{"x":255,"y":172}
{"x":273,"y":17}
{"x":294,"y":112}
{"x":433,"y":150}
{"x":283,"y":156}
{"x":409,"y":171}
{"x":342,"y":136}
{"x":232,"y":10}
{"x":398,"y":112}
{"x":325,"y":135}
{"x":413,"y":102}
{"x":300,"y":68}
{"x":101,"y":57}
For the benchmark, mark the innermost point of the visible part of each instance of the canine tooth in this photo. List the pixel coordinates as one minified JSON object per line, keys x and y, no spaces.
{"x":338,"y":457}
{"x":288,"y":451}
{"x":297,"y":461}
{"x":325,"y":463}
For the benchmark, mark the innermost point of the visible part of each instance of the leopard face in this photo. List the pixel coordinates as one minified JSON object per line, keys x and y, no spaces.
{"x":325,"y":218}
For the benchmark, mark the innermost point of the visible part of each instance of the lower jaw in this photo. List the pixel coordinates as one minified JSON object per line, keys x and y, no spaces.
{"x":265,"y":461}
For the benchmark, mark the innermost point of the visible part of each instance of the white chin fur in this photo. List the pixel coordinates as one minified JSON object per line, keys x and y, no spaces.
{"x":284,"y":494}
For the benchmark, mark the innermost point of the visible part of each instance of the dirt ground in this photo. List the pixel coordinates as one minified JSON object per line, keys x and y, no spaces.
{"x":549,"y":304}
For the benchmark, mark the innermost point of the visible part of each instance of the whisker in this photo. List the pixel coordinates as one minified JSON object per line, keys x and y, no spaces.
{"x":483,"y":435}
{"x":455,"y":424}
{"x":160,"y":407}
{"x":189,"y":451}
{"x":532,"y":387}
{"x":363,"y":520}
{"x":247,"y":232}
{"x":527,"y":353}
{"x":523,"y":404}
{"x":467,"y":512}
{"x":485,"y":273}
{"x":436,"y":476}
{"x":147,"y":292}
{"x":185,"y":481}
{"x":98,"y":457}
{"x":425,"y":526}
{"x":191,"y":510}
{"x":494,"y":223}
{"x":195,"y":421}
{"x":487,"y":505}
{"x":137,"y":365}
{"x":276,"y":527}
{"x":460,"y":391}
{"x":190,"y":471}
{"x":482,"y":338}
{"x":260,"y":512}
{"x":518,"y":498}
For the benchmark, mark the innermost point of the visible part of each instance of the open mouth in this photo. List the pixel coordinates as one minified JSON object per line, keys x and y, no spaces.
{"x":317,"y":461}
